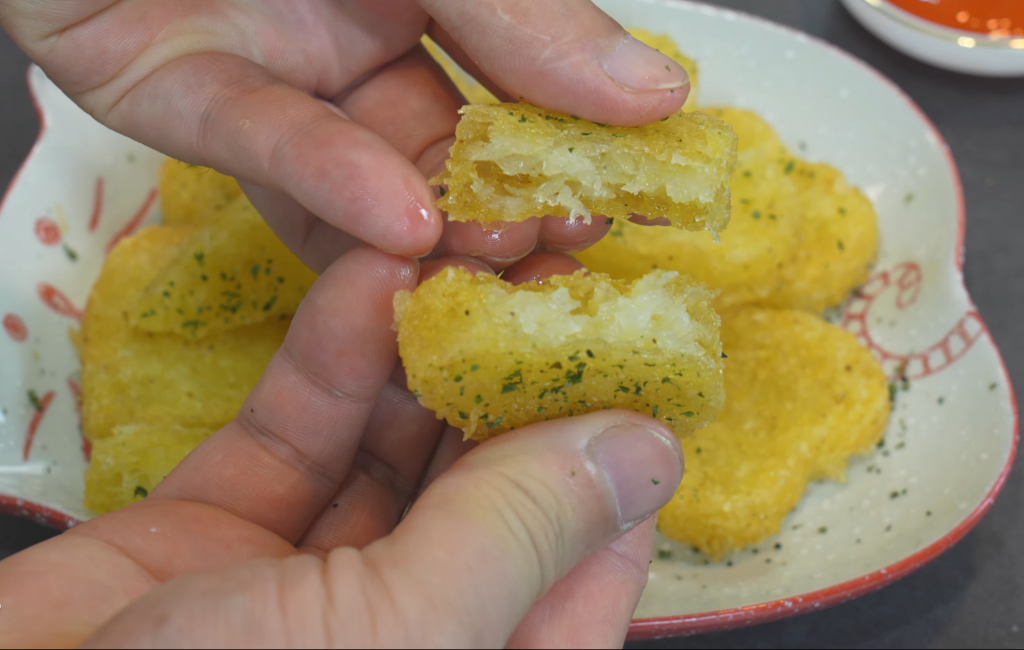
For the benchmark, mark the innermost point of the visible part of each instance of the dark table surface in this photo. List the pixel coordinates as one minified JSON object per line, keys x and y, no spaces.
{"x":973,"y":596}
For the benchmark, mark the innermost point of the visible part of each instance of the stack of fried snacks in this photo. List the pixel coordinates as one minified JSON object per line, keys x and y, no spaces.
{"x":177,"y":330}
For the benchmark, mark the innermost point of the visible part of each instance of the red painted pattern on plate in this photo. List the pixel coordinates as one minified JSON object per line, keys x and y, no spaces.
{"x":41,"y":405}
{"x":906,"y":278}
{"x":97,"y":205}
{"x":15,"y":327}
{"x":53,"y":298}
{"x":134,"y":221}
{"x":47,"y":231}
{"x":76,"y":393}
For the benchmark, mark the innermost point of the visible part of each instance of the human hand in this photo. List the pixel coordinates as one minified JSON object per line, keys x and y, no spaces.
{"x":285,"y":527}
{"x":331,"y":112}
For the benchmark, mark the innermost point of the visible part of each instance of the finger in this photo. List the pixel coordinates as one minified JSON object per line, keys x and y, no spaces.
{"x":279,"y":463}
{"x":559,"y":235}
{"x":251,"y":125}
{"x":410,"y":103}
{"x":317,"y":243}
{"x":492,"y":534}
{"x":566,"y":55}
{"x":593,"y":605}
{"x":499,"y":245}
{"x":400,"y":439}
{"x":455,"y":51}
{"x":540,"y":266}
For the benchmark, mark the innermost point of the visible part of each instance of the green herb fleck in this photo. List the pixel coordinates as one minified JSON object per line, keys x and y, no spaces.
{"x":587,"y":133}
{"x":474,"y":367}
{"x":571,"y":149}
{"x":70,"y":252}
{"x":941,"y":401}
{"x":199,"y":257}
{"x":255,"y":270}
{"x":270,"y":303}
{"x":756,"y":214}
{"x":34,"y":400}
{"x":689,"y":414}
{"x":746,"y":174}
{"x":841,"y":245}
{"x":654,"y":411}
{"x":668,"y":68}
{"x":522,"y":118}
{"x":664,"y":553}
{"x":909,"y":197}
{"x":992,"y":386}
{"x":463,"y":415}
{"x":789,"y":166}
{"x":822,"y":530}
{"x":141,"y":491}
{"x":655,"y":481}
{"x":442,"y":190}
{"x":509,"y":388}
{"x":478,"y":399}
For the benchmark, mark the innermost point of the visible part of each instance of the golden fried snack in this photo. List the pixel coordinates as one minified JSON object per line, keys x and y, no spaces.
{"x":511,"y":162}
{"x":471,"y":89}
{"x":664,"y":44}
{"x":191,"y":195}
{"x":838,"y":243}
{"x":130,"y":376}
{"x":799,"y":236}
{"x":128,"y":464}
{"x":490,"y":357}
{"x":804,"y":396}
{"x":233,"y":271}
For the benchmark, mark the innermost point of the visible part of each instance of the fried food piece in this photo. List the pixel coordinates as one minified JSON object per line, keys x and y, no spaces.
{"x":231,"y":272}
{"x":838,"y":243}
{"x":511,"y":162}
{"x":128,"y":464}
{"x":664,"y":44}
{"x":799,"y":236}
{"x":471,"y":89}
{"x":803,"y":397}
{"x":191,"y":195}
{"x":131,"y":376}
{"x":756,"y":250}
{"x":490,"y":357}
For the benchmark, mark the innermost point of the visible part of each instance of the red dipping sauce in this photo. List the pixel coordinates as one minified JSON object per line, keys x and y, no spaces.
{"x":994,"y":18}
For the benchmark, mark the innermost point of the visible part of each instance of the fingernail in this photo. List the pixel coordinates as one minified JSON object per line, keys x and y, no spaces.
{"x":643,"y":467}
{"x":637,"y":67}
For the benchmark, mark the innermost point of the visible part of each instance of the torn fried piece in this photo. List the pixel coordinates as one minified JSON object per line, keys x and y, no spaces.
{"x":490,"y":357}
{"x":191,"y":195}
{"x":511,"y":162}
{"x":129,"y":463}
{"x":232,"y":271}
{"x":130,"y":376}
{"x":664,"y":44}
{"x":804,"y":396}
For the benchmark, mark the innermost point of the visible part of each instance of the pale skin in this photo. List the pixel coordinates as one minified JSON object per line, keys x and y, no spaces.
{"x":286,"y":527}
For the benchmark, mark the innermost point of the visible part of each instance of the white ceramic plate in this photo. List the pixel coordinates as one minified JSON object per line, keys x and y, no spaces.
{"x":952,"y":437}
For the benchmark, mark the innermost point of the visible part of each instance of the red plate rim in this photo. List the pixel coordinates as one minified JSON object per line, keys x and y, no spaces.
{"x":691,"y":624}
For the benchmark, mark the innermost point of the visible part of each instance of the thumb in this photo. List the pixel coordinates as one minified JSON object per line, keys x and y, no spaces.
{"x":495,"y":532}
{"x":566,"y":55}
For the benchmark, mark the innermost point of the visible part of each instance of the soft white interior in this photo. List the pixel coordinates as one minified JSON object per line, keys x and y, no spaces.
{"x":650,"y":310}
{"x":589,"y":172}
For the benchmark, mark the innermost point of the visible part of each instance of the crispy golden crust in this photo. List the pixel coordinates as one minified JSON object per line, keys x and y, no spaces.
{"x":490,"y":357}
{"x":804,"y":396}
{"x":191,"y":195}
{"x":128,"y":464}
{"x":232,"y":271}
{"x":135,"y":377}
{"x":511,"y":162}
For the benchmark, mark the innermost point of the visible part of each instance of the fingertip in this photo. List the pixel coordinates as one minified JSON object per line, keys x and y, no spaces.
{"x":560,"y":235}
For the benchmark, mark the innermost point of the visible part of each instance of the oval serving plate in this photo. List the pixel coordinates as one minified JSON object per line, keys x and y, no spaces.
{"x":951,"y":439}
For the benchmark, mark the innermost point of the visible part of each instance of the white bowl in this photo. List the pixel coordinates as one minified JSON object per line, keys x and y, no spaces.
{"x":951,"y":49}
{"x":951,"y":458}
